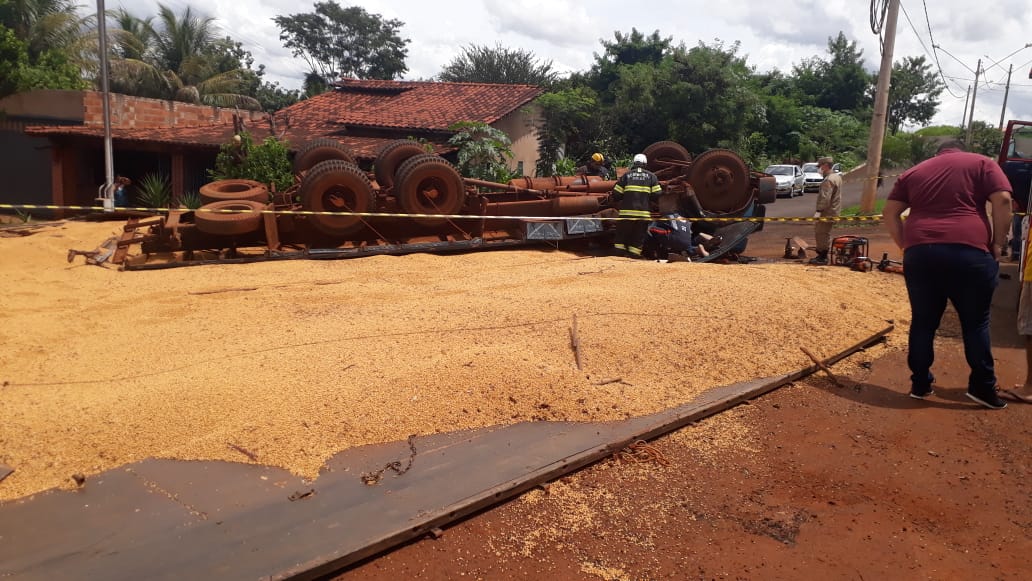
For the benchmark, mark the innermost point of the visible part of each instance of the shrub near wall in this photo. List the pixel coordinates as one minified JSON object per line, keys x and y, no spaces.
{"x":267,"y":162}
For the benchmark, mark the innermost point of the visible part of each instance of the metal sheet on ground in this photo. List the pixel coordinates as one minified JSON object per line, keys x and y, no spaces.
{"x":163,"y":519}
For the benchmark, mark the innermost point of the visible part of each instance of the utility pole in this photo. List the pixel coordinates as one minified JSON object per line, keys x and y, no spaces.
{"x":971,"y":114}
{"x":963,"y":118}
{"x":107,"y":190}
{"x":1003,"y":111}
{"x":881,"y":107}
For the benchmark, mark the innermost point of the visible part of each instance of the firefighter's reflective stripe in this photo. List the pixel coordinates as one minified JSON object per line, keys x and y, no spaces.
{"x":635,"y":214}
{"x":639,"y":188}
{"x":634,"y":250}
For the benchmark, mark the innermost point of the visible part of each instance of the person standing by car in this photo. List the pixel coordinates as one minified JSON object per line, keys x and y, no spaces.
{"x":829,"y":204}
{"x":951,"y":252}
{"x":635,"y":191}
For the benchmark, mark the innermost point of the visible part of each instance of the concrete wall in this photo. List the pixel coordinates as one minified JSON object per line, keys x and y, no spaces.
{"x":521,"y":127}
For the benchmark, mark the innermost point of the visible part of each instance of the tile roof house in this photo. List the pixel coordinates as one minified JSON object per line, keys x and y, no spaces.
{"x":180,"y":140}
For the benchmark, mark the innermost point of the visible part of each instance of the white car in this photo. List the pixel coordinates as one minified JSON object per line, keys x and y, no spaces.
{"x":789,"y":179}
{"x":812,"y":177}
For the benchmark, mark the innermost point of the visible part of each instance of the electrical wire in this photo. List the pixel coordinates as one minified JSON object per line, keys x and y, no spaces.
{"x":927,"y":52}
{"x":878,"y":9}
{"x":931,"y":37}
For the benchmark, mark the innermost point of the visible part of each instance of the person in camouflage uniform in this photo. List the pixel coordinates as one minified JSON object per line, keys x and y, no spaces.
{"x":829,"y":204}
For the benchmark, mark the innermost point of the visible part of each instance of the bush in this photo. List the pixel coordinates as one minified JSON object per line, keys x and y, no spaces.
{"x":896,"y":149}
{"x":190,"y":200}
{"x":154,"y":191}
{"x":268,"y":162}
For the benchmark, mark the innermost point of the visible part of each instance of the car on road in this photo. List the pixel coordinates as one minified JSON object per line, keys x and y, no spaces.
{"x":789,"y":179}
{"x":812,"y":177}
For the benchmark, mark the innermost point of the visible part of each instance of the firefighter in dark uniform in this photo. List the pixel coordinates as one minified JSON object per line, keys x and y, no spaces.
{"x":635,"y":192}
{"x":598,"y":165}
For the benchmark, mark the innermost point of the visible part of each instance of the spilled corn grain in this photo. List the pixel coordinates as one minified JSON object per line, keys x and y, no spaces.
{"x":295,"y":361}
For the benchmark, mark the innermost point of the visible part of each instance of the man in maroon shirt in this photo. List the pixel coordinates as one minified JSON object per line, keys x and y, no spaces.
{"x":950,"y":252}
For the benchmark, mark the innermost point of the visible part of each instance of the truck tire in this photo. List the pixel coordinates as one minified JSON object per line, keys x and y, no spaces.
{"x":221,"y":190}
{"x":211,"y":220}
{"x":337,"y":186}
{"x":319,"y":150}
{"x":391,"y":157}
{"x":720,"y":180}
{"x":428,"y":184}
{"x":661,"y":150}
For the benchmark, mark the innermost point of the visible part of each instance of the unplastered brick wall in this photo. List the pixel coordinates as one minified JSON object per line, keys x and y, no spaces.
{"x":129,"y":112}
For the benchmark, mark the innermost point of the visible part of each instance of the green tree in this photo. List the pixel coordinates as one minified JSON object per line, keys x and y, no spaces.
{"x":483,"y":150}
{"x":180,"y":57}
{"x":913,"y":93}
{"x":569,"y":124}
{"x":133,"y":36}
{"x":846,"y":83}
{"x":985,"y":139}
{"x":710,"y":99}
{"x":182,"y":39}
{"x":44,"y":25}
{"x":51,"y":69}
{"x":833,"y":133}
{"x":781,"y":122}
{"x":345,"y":42}
{"x":501,"y":65}
{"x":840,"y":83}
{"x":626,"y":49}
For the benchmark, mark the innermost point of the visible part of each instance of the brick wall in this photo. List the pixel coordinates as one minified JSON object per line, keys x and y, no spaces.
{"x":136,"y":112}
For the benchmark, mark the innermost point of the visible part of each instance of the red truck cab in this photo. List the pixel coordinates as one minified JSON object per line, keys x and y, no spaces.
{"x":1016,"y":161}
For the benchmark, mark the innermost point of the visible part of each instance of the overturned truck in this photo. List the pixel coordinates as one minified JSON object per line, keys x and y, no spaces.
{"x":414,"y":201}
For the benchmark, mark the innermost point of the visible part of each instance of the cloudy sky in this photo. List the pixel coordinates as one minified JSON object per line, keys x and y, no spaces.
{"x":774,"y":34}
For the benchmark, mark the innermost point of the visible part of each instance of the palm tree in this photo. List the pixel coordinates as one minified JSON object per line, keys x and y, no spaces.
{"x":181,"y":38}
{"x":173,"y":60}
{"x":134,"y":36}
{"x":49,"y":26}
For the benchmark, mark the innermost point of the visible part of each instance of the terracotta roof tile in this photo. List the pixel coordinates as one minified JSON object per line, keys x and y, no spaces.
{"x":417,"y":107}
{"x":412,"y":104}
{"x":213,"y":136}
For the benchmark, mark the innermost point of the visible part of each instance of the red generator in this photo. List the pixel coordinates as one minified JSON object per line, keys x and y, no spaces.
{"x":851,"y":251}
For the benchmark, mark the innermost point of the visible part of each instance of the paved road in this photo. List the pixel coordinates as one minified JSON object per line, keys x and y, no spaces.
{"x":803,"y":206}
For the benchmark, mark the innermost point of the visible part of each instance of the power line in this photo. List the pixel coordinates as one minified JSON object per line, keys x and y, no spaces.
{"x":990,"y":82}
{"x":878,"y":9}
{"x":925,"y":48}
{"x":931,"y":38}
{"x":948,"y":53}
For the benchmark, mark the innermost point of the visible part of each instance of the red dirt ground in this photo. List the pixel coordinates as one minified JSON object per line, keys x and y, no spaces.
{"x":822,"y":482}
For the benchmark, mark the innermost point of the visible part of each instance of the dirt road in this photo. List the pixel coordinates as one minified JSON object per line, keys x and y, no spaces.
{"x":812,"y":481}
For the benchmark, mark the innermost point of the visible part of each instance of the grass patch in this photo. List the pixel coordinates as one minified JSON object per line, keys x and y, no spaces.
{"x":879,"y":205}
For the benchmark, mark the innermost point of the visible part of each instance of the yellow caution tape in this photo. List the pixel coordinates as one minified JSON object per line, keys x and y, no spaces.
{"x":870,"y":218}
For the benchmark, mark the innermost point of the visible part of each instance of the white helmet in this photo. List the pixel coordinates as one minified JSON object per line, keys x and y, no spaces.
{"x":640,"y":159}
